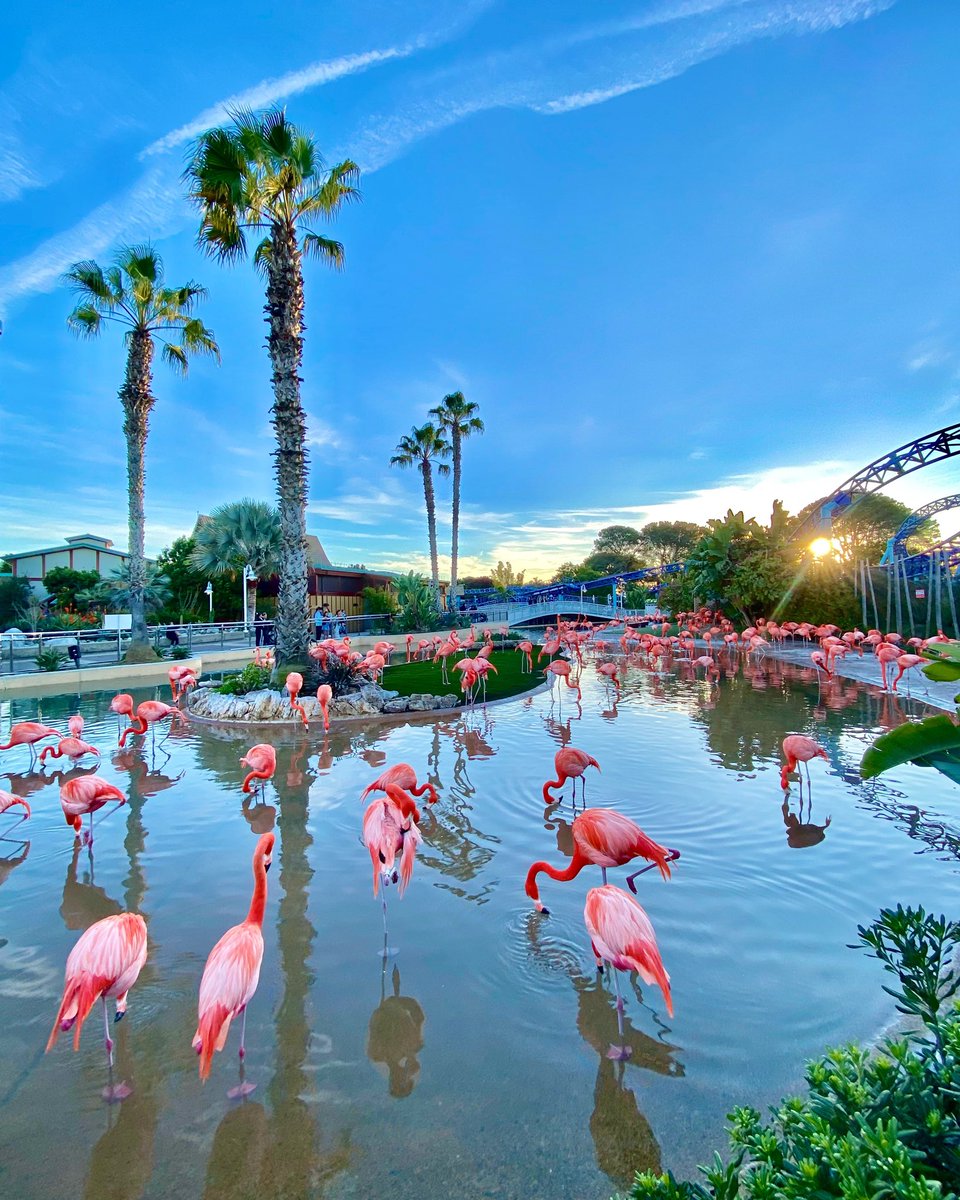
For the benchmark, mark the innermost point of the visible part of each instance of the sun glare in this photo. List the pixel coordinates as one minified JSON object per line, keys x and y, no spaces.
{"x":820,"y":547}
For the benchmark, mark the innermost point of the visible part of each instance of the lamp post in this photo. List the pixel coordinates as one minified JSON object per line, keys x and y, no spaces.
{"x":583,"y":588}
{"x":208,"y":592}
{"x":249,"y":576}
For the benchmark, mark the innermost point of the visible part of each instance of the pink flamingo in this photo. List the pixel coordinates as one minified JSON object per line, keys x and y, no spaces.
{"x":232,"y":973}
{"x":28,"y":733}
{"x":387,"y":832}
{"x":103,"y":965}
{"x":294,"y":686}
{"x":261,"y":762}
{"x":71,"y":747}
{"x":444,"y":651}
{"x":384,"y":648}
{"x":409,"y":640}
{"x":708,"y":663}
{"x":374,"y":664}
{"x":122,"y":705}
{"x":561,"y":668}
{"x":886,"y":654}
{"x":549,"y":648}
{"x":423,"y":648}
{"x":401,"y":776}
{"x":905,"y":662}
{"x":8,"y":800}
{"x":325,"y":697}
{"x":820,"y":661}
{"x":603,"y":838}
{"x":75,"y":725}
{"x":85,"y":795}
{"x":526,"y":649}
{"x":175,"y":675}
{"x":569,"y":763}
{"x":149,"y":713}
{"x":482,"y":667}
{"x":621,"y":934}
{"x":798,"y":748}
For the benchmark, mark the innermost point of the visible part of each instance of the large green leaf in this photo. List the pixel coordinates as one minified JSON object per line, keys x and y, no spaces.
{"x":942,"y":650}
{"x":908,"y":742}
{"x":942,"y":672}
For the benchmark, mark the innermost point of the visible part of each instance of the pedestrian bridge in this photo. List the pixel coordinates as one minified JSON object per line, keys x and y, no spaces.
{"x":546,"y":613}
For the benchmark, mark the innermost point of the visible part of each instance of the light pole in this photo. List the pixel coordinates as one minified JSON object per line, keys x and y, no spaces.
{"x":208,"y":591}
{"x":583,"y":588}
{"x":249,"y":576}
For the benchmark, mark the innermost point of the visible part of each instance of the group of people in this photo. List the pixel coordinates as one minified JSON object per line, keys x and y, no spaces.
{"x":328,"y":624}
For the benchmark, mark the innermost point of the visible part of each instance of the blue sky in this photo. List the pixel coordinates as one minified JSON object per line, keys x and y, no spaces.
{"x":683,"y":253}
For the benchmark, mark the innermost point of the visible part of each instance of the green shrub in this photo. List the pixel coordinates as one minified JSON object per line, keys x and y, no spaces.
{"x":251,"y":679}
{"x":178,"y":652}
{"x":50,"y":660}
{"x":341,"y":676}
{"x":882,"y":1124}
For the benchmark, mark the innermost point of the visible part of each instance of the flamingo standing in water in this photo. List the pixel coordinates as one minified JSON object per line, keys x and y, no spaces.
{"x":75,"y":725}
{"x":621,"y":934}
{"x":526,"y":649}
{"x":69,"y":747}
{"x":387,"y":832}
{"x":905,"y":662}
{"x":603,"y":838}
{"x":294,"y":686}
{"x":232,"y":973}
{"x":85,"y":795}
{"x":148,"y":714}
{"x":261,"y":761}
{"x":324,"y":697}
{"x":28,"y":733}
{"x":402,"y":777}
{"x":886,"y":654}
{"x":561,"y":668}
{"x":609,"y":669}
{"x":798,"y":748}
{"x":122,"y":705}
{"x":103,"y":965}
{"x":569,"y":763}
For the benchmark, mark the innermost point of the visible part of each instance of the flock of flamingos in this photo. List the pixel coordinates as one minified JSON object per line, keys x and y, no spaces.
{"x":108,"y":957}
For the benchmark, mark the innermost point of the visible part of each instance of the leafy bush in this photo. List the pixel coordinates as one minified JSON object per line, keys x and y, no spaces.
{"x":378,"y":600}
{"x":883,"y":1124}
{"x":50,"y":660}
{"x":14,"y":600}
{"x":341,"y":676}
{"x":251,"y":679}
{"x":179,"y":652}
{"x":417,"y":604}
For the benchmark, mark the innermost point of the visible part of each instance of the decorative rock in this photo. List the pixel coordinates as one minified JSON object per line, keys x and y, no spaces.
{"x":422,"y":702}
{"x":266,"y":705}
{"x":452,"y":700}
{"x":398,"y":705}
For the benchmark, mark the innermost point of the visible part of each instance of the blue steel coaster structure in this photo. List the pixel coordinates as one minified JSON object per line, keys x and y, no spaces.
{"x":914,"y":565}
{"x":536,"y":593}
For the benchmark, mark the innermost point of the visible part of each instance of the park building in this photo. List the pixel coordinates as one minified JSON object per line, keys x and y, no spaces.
{"x":83,"y":552}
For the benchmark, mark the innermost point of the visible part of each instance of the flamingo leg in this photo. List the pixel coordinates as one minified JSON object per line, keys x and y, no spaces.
{"x":671,"y":857}
{"x":603,"y":872}
{"x":107,"y":1039}
{"x":243,"y":1033}
{"x":618,"y":1053}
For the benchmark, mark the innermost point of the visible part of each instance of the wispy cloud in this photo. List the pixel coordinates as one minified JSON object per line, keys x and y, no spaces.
{"x":16,"y":177}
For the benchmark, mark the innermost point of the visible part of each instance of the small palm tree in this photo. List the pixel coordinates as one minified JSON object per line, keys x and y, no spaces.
{"x":241,"y":533}
{"x":131,"y":294}
{"x":420,"y":448}
{"x":457,"y":417}
{"x":263,"y":174}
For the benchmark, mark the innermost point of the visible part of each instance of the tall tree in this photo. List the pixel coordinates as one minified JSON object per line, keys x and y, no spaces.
{"x":670,"y":541}
{"x":422,"y":448}
{"x":263,"y":173}
{"x":239,"y":534}
{"x":131,"y":294}
{"x":457,"y":418}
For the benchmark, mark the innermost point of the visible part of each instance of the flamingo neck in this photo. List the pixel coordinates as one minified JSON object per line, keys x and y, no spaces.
{"x":138,"y":727}
{"x":259,"y":900}
{"x":577,"y":863}
{"x":253,"y":775}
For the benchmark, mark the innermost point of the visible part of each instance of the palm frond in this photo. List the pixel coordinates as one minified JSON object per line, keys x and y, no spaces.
{"x":324,"y":249}
{"x":141,"y":262}
{"x":85,"y":321}
{"x":176,"y":357}
{"x":442,"y":468}
{"x":196,"y":338}
{"x":263,"y":256}
{"x":87,"y":277}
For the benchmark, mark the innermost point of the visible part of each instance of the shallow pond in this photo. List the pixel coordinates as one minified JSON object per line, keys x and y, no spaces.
{"x":473,"y":1063}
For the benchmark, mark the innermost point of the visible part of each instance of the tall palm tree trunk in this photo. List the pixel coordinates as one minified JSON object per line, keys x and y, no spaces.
{"x":431,"y":504}
{"x":137,"y":402}
{"x":284,"y":309}
{"x":455,"y":532}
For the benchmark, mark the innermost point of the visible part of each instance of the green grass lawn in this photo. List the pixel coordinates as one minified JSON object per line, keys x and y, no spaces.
{"x":407,"y":678}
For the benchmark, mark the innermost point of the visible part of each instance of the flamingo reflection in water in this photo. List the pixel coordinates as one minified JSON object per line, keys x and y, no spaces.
{"x":802,"y":833}
{"x":623,"y":1139}
{"x":19,"y":810}
{"x":395,"y":1035}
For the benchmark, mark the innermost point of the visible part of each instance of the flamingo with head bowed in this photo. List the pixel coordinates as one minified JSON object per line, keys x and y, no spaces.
{"x":181,"y":678}
{"x":294,"y":686}
{"x":569,"y":763}
{"x":388,"y":832}
{"x":797,"y":748}
{"x":232,"y":973}
{"x":905,"y":662}
{"x":609,"y":669}
{"x":103,"y":965}
{"x":526,"y":649}
{"x":261,"y":762}
{"x":622,"y":935}
{"x":324,"y":698}
{"x":150,"y":713}
{"x":402,"y":777}
{"x":85,"y":795}
{"x":409,"y":640}
{"x":75,"y":725}
{"x":8,"y":800}
{"x":603,"y":838}
{"x":28,"y":733}
{"x":122,"y":705}
{"x":560,"y":668}
{"x":69,"y":747}
{"x":374,"y":664}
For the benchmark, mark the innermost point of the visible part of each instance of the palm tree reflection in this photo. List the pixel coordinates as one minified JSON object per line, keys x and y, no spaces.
{"x":395,"y":1035}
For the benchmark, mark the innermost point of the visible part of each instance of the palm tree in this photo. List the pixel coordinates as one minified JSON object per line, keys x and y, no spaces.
{"x":131,"y":294}
{"x":420,"y":448}
{"x":457,"y":417}
{"x":263,"y":174}
{"x":241,"y":533}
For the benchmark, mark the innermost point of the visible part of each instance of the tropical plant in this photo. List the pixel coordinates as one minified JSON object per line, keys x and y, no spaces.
{"x":457,"y":418}
{"x":263,"y":174}
{"x":50,"y":660}
{"x":67,"y":586}
{"x":188,"y":600}
{"x":341,"y":676}
{"x":422,"y":448}
{"x":881,"y":1123}
{"x":378,"y":600}
{"x":15,"y":595}
{"x":131,"y":294}
{"x":251,"y":679}
{"x":116,"y":592}
{"x":417,"y":604}
{"x":241,"y":533}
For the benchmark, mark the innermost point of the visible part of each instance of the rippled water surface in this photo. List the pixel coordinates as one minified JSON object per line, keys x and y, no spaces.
{"x":473,"y":1063}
